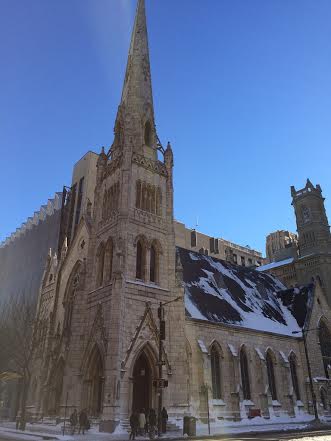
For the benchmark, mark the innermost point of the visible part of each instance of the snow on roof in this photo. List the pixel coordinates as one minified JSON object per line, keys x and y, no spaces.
{"x":221,"y":292}
{"x":275,"y":264}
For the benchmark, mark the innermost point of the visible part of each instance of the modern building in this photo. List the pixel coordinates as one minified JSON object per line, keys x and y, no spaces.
{"x":281,"y":245}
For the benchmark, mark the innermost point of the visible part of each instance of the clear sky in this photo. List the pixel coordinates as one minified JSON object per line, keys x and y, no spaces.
{"x":242,"y":89}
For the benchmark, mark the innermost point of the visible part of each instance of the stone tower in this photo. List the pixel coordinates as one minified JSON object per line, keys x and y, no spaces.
{"x":312,"y":222}
{"x":314,"y":240}
{"x":132,"y":254}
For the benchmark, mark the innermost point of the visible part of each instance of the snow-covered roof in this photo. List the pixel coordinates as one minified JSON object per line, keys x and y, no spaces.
{"x":220,"y":292}
{"x":271,"y":265}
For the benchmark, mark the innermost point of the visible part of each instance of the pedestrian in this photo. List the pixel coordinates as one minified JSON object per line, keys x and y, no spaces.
{"x":134,"y":422}
{"x":73,"y":421}
{"x":164,"y":417}
{"x":83,"y":421}
{"x":142,"y":421}
{"x":147,"y":421}
{"x":152,"y":423}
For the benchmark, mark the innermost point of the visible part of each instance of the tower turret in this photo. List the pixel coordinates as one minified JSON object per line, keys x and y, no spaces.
{"x":312,"y":222}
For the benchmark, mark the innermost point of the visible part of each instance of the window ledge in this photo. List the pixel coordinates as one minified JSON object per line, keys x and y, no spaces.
{"x":218,"y":402}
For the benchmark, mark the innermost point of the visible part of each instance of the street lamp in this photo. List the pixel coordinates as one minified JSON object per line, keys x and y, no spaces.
{"x":304,"y":332}
{"x":160,"y":382}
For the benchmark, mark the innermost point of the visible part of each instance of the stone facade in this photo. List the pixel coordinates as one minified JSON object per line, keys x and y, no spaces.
{"x":96,"y":338}
{"x":311,"y":260}
{"x":192,"y":239}
{"x":281,"y":245}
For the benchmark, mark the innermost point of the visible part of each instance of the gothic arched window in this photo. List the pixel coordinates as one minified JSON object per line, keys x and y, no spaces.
{"x":325,"y":344}
{"x":153,"y":264}
{"x":271,"y":375}
{"x":324,"y":398}
{"x":294,"y":375}
{"x":69,"y":298}
{"x":100,"y":265}
{"x":138,"y":194}
{"x":245,"y":375}
{"x":148,"y":133}
{"x":215,"y":373}
{"x":108,"y":261}
{"x":140,"y":260}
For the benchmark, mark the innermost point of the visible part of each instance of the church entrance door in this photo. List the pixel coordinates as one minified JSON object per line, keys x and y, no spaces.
{"x":142,"y":384}
{"x":94,"y":383}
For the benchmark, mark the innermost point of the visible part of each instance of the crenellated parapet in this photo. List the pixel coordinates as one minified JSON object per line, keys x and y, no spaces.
{"x":52,"y":205}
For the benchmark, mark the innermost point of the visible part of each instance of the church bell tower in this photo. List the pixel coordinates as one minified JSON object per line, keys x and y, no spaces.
{"x":312,"y":222}
{"x":134,"y":249}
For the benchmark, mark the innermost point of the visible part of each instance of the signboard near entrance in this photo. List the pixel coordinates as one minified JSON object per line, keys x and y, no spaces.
{"x":160,"y":383}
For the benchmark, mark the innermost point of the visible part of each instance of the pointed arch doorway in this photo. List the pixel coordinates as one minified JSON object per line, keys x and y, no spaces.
{"x":93,"y":389}
{"x":143,"y":373}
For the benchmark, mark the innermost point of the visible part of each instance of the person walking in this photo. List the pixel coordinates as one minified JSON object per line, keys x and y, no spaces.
{"x":152,"y":424}
{"x":73,"y":421}
{"x":164,"y":416}
{"x":142,"y":421}
{"x":134,"y":422}
{"x":83,"y":421}
{"x":147,"y":421}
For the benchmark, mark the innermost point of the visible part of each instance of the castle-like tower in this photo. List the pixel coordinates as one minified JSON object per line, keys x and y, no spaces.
{"x":312,"y":222}
{"x":314,"y":239}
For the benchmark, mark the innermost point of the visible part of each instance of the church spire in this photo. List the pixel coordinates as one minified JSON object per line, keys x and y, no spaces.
{"x":136,"y":112}
{"x":137,"y":84}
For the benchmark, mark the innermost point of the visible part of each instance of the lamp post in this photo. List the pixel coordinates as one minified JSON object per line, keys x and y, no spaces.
{"x":304,"y":332}
{"x":160,"y":382}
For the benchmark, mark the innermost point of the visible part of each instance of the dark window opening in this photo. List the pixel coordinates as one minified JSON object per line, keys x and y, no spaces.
{"x":152,"y":275}
{"x":245,"y":375}
{"x":193,"y":238}
{"x":148,"y":133}
{"x":140,"y":261}
{"x":271,"y":376}
{"x":79,"y":202}
{"x":216,"y":374}
{"x":325,"y":344}
{"x":294,"y":376}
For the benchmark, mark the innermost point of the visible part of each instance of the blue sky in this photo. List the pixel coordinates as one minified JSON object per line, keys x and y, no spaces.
{"x":242,"y":89}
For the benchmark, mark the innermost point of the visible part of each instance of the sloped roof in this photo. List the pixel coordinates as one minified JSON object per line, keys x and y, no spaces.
{"x":220,"y":292}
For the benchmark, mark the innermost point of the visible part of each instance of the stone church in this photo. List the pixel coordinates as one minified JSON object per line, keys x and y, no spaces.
{"x":231,"y":336}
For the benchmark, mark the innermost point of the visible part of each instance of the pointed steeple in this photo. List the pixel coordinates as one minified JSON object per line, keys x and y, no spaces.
{"x":137,"y":84}
{"x":136,"y":112}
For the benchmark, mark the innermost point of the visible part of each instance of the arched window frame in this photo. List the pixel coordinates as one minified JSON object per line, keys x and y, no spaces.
{"x":69,"y":297}
{"x":294,"y":375}
{"x":141,"y":250}
{"x":270,"y":363}
{"x":138,"y":194}
{"x":215,"y":365}
{"x":244,"y":371}
{"x":324,"y":398}
{"x":100,"y":265}
{"x":108,"y":261}
{"x":324,"y":336}
{"x":155,"y":253}
{"x":148,"y":134}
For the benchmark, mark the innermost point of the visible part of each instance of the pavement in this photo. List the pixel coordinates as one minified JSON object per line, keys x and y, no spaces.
{"x":291,"y":431}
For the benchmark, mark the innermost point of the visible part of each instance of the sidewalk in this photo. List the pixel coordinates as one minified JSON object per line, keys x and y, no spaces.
{"x":37,"y":432}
